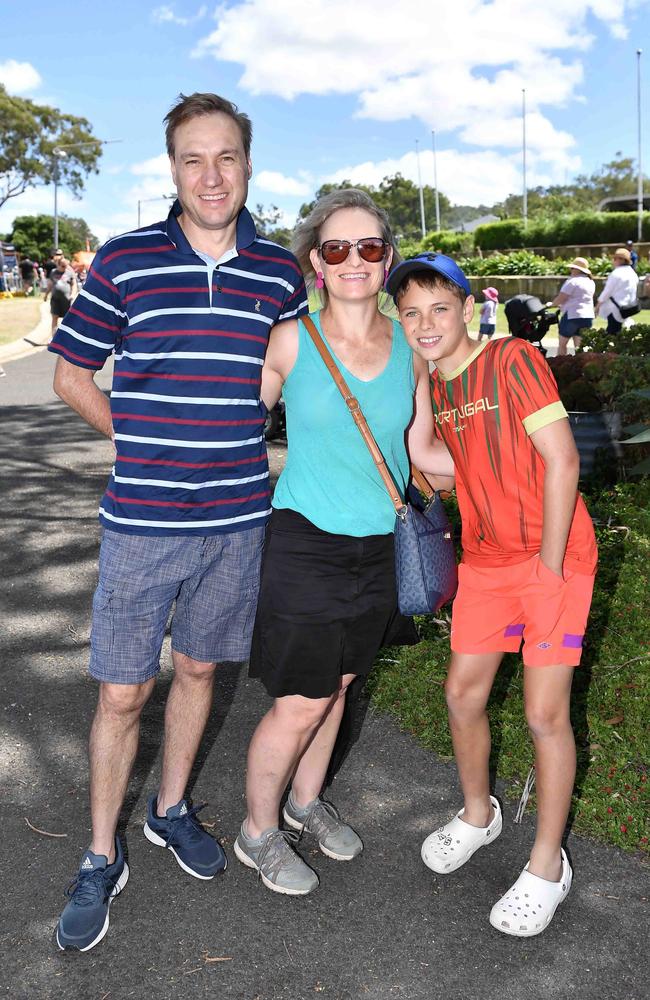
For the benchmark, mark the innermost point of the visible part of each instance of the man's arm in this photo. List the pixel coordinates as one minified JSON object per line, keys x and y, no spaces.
{"x":76,"y":387}
{"x":556,"y":446}
{"x":427,"y":452}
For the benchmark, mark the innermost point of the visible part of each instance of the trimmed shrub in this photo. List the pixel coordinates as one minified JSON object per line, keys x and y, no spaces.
{"x":634,"y":341}
{"x":448,"y":242}
{"x":569,"y":230}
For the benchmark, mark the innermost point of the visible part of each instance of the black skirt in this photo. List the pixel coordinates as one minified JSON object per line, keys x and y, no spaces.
{"x":326,"y":603}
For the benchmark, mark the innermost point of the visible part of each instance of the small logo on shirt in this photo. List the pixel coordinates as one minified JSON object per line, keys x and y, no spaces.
{"x":258,"y":305}
{"x":544,"y":645}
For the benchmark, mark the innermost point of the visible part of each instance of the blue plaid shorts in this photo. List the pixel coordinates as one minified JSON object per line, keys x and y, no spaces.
{"x":214,"y":581}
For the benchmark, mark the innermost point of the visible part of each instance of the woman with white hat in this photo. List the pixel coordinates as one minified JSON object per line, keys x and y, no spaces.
{"x":620,"y":290}
{"x":576,"y":301}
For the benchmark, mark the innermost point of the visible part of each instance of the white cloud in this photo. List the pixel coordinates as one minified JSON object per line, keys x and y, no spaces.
{"x":165,"y":15}
{"x":19,"y":77}
{"x":277,"y":183}
{"x":459,"y":71}
{"x":156,"y":166}
{"x":466,"y":178}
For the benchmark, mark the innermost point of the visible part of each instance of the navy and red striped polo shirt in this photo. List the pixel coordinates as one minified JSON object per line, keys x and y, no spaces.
{"x":189,"y":341}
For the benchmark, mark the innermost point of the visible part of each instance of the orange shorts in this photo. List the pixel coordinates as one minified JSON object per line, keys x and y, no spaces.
{"x":496,"y":607}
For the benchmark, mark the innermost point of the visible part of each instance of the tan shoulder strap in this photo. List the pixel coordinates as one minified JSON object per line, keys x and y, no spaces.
{"x":353,"y":405}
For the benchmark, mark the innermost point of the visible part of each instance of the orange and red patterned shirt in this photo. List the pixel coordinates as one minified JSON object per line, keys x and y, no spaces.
{"x":484,"y":412}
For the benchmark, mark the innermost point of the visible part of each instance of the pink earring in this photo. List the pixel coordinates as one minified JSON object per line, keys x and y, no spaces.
{"x":385,"y":274}
{"x":319,"y":280}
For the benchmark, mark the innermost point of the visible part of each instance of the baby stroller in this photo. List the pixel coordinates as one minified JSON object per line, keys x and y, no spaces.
{"x":529,"y":319}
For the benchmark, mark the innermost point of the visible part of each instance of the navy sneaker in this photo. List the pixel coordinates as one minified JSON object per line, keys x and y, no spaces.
{"x":84,"y":921}
{"x":196,"y":851}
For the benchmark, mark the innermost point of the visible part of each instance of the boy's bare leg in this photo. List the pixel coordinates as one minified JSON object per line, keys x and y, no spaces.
{"x":467,"y":689}
{"x":547,"y":692}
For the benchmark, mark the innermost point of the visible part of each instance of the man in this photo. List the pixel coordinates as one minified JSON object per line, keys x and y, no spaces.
{"x":27,"y":275}
{"x":186,"y":306}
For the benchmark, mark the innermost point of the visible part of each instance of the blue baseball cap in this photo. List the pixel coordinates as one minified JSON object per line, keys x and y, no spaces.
{"x":437,"y":262}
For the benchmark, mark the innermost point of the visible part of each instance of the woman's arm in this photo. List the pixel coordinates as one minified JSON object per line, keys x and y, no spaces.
{"x":280,"y":358}
{"x":427,"y":452}
{"x":560,"y":299}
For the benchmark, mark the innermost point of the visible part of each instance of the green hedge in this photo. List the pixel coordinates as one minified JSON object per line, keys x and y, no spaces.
{"x":569,"y":230}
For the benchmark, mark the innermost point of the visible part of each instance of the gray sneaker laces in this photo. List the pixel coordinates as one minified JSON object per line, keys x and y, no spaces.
{"x":277,"y":853}
{"x":322,"y":818}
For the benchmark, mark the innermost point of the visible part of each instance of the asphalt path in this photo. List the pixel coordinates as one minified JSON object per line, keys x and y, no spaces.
{"x":381,"y":927}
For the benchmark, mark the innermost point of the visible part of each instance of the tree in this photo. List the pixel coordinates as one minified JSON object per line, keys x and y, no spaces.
{"x":266,"y":223}
{"x":32,"y":235}
{"x":583,"y":193}
{"x":29,"y":133}
{"x":400,"y":199}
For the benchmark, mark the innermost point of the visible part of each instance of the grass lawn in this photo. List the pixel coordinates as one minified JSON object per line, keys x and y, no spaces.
{"x":502,"y":325}
{"x":610,"y":691}
{"x":18,"y":317}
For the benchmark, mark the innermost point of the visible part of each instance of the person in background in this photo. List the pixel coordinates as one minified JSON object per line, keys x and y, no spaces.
{"x":63,"y":288}
{"x":634,"y":257}
{"x":27,"y":274}
{"x":576,"y":302}
{"x":488,"y":316}
{"x":620,"y":290}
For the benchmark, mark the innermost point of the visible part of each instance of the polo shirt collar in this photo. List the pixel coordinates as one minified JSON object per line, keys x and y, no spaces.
{"x":244,"y":237}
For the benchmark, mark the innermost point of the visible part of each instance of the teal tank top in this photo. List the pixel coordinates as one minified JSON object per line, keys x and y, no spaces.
{"x":329,"y":476}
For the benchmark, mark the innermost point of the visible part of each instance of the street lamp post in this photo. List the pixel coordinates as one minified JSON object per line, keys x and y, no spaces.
{"x":435,"y":179}
{"x":639,"y":190}
{"x":422,"y":218}
{"x":523,"y":156}
{"x":59,"y":153}
{"x":161,"y":197}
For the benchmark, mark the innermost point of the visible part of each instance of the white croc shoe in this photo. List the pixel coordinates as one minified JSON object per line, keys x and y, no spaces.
{"x":452,"y":845}
{"x":528,"y":907}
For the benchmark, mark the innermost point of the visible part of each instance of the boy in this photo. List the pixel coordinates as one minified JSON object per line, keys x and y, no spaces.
{"x":529,"y":559}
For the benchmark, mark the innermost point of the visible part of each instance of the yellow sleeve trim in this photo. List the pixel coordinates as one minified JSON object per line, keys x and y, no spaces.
{"x":541,"y":418}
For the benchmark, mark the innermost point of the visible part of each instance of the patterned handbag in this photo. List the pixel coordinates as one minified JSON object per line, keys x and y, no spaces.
{"x":425,"y":559}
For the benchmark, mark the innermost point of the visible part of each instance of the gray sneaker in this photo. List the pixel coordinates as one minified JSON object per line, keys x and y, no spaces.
{"x":279,"y":867}
{"x":335,"y":838}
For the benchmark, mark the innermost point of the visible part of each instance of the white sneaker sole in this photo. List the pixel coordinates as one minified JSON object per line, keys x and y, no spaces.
{"x":295,"y":825}
{"x":245,"y":860}
{"x":119,"y":885}
{"x":159,"y":842}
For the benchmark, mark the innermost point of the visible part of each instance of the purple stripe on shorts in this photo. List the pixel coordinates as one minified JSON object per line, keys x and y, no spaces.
{"x":511,"y":630}
{"x":572,"y":641}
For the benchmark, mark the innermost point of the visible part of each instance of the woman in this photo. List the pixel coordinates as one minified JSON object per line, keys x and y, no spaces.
{"x":620,"y":290}
{"x":328,"y":581}
{"x":576,"y":301}
{"x":62,"y":284}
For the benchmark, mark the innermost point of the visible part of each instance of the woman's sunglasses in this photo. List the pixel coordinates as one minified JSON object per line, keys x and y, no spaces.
{"x":370,"y":248}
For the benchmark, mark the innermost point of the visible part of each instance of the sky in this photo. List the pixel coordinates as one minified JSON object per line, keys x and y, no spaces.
{"x":336,"y":89}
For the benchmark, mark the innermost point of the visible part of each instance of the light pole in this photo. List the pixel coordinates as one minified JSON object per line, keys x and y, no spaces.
{"x":161,"y":197}
{"x":639,"y":190}
{"x":422,"y":219}
{"x":523,"y":152}
{"x":59,"y":153}
{"x":435,"y":180}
